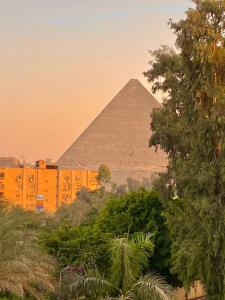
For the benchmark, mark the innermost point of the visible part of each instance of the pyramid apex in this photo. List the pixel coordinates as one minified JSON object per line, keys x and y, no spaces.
{"x":135,"y":83}
{"x":134,"y":80}
{"x":134,"y":92}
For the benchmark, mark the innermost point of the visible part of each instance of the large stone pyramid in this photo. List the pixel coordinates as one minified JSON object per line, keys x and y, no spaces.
{"x":119,"y":137}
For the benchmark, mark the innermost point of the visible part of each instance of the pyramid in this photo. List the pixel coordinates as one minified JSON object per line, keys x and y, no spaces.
{"x":119,"y":137}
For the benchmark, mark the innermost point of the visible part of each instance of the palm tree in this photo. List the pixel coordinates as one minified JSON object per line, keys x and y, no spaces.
{"x":25,"y":270}
{"x":128,"y":260}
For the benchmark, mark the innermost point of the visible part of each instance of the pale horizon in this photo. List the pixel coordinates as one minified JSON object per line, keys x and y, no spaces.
{"x":63,"y":62}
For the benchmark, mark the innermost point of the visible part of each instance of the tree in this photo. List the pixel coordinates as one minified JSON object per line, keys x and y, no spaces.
{"x":139,"y":211}
{"x":81,"y":211}
{"x":76,"y":245}
{"x":25,"y":270}
{"x":104,"y":176}
{"x":190,"y":128}
{"x":128,"y":259}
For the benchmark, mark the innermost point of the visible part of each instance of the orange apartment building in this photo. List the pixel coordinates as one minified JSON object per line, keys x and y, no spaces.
{"x":43,"y":187}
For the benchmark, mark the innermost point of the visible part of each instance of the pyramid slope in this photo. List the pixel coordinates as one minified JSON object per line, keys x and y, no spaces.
{"x":118,"y":137}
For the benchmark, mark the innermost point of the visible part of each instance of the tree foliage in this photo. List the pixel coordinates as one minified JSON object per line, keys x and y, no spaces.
{"x":104,"y":175}
{"x":140,"y":211}
{"x":190,"y":128}
{"x":83,"y":209}
{"x":128,"y":257}
{"x":76,"y":245}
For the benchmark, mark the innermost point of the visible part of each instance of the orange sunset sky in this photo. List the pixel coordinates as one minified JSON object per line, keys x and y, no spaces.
{"x":62,"y":61}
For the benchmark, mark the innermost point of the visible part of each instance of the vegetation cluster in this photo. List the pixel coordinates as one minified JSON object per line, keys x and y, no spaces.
{"x":102,"y":245}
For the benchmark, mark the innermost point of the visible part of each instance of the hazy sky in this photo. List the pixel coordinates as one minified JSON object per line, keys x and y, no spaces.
{"x":62,"y":61}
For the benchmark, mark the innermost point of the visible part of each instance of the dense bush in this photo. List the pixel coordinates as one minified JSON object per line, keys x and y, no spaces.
{"x":86,"y":244}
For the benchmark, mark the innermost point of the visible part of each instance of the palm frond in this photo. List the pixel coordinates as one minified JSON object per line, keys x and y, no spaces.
{"x":153,"y":286}
{"x":25,"y":270}
{"x":11,"y":286}
{"x":129,"y":257}
{"x":143,"y":249}
{"x":123,"y":264}
{"x":83,"y":286}
{"x":122,"y":297}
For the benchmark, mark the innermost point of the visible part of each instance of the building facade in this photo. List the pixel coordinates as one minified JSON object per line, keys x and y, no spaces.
{"x":43,"y":187}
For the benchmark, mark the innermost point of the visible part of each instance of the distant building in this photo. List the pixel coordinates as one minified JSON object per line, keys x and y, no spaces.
{"x":43,"y":187}
{"x":9,"y":162}
{"x":119,"y":138}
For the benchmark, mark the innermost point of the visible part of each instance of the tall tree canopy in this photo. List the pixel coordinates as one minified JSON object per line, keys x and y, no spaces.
{"x":190,"y":128}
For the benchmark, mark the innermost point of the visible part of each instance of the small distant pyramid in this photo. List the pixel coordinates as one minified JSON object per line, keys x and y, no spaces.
{"x":118,"y":138}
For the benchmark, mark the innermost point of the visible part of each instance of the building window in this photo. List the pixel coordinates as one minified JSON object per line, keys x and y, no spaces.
{"x":30,"y":178}
{"x":18,"y":178}
{"x":66,"y":196}
{"x":1,"y":195}
{"x":67,"y":187}
{"x":2,"y":174}
{"x":78,"y":178}
{"x":1,"y":186}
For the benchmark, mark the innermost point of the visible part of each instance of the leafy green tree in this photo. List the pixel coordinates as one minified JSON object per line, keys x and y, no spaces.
{"x":190,"y":128}
{"x":76,"y":245}
{"x":126,"y":281}
{"x":139,"y":211}
{"x":83,"y":209}
{"x":25,"y":270}
{"x":104,"y":176}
